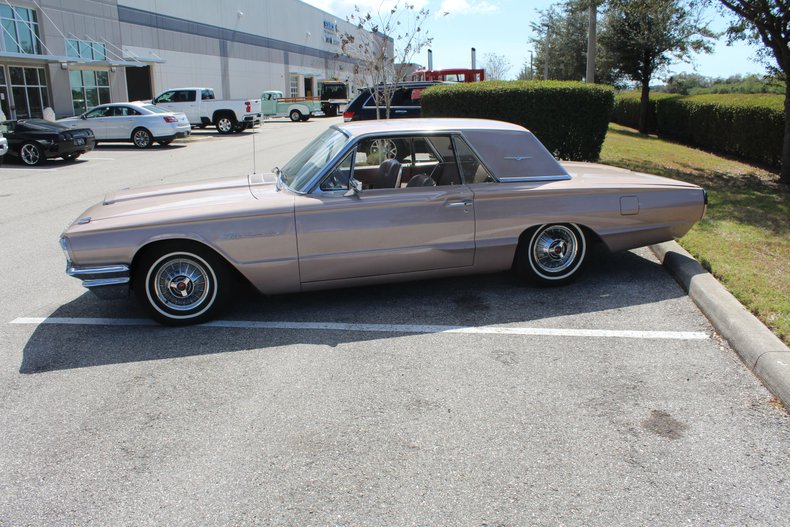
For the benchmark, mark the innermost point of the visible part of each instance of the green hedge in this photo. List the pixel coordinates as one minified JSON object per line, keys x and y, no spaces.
{"x":569,"y":118}
{"x":626,"y":109}
{"x":750,"y":126}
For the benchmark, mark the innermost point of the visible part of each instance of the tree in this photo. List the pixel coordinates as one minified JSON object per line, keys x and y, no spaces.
{"x":644,"y":37}
{"x":496,"y":66}
{"x":385,"y":42}
{"x":768,"y":21}
{"x":561,"y":35}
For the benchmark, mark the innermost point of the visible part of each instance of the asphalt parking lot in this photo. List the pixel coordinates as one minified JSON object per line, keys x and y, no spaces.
{"x":466,"y":401}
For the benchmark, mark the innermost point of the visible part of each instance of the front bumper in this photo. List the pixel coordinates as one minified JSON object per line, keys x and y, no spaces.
{"x":106,"y":281}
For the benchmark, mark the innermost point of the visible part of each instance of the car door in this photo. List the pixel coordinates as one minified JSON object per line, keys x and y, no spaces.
{"x":390,"y":227}
{"x":120,"y":122}
{"x":406,"y":103}
{"x":96,"y":120}
{"x":184,"y":101}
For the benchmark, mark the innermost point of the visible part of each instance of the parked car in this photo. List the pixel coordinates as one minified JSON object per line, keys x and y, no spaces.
{"x":142,"y":124}
{"x":334,"y":96}
{"x":203,"y":109}
{"x":273,"y":104}
{"x":34,"y":141}
{"x":472,"y":196}
{"x":405,"y":102}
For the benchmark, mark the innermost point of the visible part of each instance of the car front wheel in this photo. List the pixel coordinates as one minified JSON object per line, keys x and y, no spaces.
{"x":141,"y":138}
{"x":552,"y":254}
{"x":31,"y":154}
{"x":182,"y":284}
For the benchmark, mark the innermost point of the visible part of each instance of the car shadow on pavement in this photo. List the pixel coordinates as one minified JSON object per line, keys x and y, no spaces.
{"x":611,"y":282}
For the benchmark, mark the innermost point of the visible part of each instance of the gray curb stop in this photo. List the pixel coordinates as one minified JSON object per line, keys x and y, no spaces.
{"x":758,"y":347}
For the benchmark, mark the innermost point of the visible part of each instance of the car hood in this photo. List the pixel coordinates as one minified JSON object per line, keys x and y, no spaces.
{"x":213,"y":199}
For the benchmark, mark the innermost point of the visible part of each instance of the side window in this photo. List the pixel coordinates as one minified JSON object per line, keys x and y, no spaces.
{"x":101,"y":111}
{"x":206,"y":95}
{"x":338,"y":178}
{"x":446,"y":172}
{"x":166,"y":97}
{"x":185,"y":96}
{"x":472,"y":170}
{"x":397,"y":163}
{"x":131,"y":111}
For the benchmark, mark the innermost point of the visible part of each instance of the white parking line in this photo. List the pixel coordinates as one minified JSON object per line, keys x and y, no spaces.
{"x":384,"y":328}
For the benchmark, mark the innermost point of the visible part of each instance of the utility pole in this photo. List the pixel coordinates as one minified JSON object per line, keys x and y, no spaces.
{"x":591,"y":44}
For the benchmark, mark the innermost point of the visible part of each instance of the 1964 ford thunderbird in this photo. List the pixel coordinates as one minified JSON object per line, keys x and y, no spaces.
{"x":372,"y":202}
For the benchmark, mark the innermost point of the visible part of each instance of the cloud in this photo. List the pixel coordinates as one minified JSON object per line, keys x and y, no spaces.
{"x":341,"y":8}
{"x":466,"y":7}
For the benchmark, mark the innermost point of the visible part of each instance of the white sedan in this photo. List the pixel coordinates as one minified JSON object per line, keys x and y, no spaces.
{"x":142,"y":124}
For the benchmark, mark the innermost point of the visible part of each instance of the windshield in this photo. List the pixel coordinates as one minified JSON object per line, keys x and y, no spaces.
{"x":300,"y":171}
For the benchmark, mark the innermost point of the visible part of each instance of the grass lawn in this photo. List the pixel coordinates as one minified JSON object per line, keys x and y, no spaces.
{"x":744,"y":239}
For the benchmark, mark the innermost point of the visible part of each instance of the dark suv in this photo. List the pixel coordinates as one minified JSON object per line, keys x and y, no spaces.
{"x":405,"y":103}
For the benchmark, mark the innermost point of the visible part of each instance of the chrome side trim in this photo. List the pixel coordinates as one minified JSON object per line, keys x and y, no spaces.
{"x":529,"y":179}
{"x":108,"y":282}
{"x":91,"y":274}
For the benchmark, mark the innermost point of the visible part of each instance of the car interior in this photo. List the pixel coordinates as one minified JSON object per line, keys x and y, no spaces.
{"x":408,"y":162}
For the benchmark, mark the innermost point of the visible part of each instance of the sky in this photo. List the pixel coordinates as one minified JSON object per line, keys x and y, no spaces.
{"x":502,"y":27}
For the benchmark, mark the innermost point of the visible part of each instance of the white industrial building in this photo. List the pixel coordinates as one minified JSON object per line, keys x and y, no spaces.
{"x":73,"y":54}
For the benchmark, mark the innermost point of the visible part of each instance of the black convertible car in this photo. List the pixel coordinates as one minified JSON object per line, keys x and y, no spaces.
{"x":35,"y":140}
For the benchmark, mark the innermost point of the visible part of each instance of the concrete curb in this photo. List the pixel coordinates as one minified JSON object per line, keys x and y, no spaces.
{"x":758,"y":347}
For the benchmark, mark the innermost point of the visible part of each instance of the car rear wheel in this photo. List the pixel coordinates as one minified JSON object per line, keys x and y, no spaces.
{"x":182,"y":284}
{"x":31,"y":154}
{"x":141,"y":138}
{"x":225,"y":124}
{"x":295,"y":115}
{"x":551,"y":254}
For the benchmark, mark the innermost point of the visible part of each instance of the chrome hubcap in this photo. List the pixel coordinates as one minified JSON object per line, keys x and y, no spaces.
{"x":181,"y":284}
{"x":555,"y":249}
{"x":224,"y":125}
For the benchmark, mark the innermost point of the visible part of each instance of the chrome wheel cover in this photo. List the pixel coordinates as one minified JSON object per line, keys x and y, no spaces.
{"x":224,"y":125}
{"x":554,"y":249}
{"x":30,"y":154}
{"x":182,"y":284}
{"x":141,"y":139}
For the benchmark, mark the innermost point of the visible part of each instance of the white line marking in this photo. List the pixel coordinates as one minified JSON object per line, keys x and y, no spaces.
{"x":384,"y":328}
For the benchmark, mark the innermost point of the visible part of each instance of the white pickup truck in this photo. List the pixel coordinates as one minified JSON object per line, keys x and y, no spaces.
{"x":203,"y":109}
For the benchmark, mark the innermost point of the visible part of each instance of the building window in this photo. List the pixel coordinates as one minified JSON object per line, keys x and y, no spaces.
{"x":88,"y":89}
{"x":29,"y":91}
{"x":85,"y":49}
{"x":294,"y":85}
{"x":20,"y":30}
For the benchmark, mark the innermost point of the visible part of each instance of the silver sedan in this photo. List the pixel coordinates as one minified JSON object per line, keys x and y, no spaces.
{"x":139,"y":123}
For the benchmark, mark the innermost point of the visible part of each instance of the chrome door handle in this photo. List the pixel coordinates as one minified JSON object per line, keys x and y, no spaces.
{"x":464,"y":203}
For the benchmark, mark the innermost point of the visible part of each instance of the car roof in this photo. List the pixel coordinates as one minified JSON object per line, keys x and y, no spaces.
{"x":357,"y":128}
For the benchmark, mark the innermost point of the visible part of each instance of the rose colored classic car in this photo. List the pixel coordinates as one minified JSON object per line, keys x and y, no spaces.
{"x":371,"y":202}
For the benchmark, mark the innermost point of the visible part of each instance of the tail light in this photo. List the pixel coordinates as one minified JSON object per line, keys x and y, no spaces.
{"x":347,"y":116}
{"x":170,"y":119}
{"x":249,"y":106}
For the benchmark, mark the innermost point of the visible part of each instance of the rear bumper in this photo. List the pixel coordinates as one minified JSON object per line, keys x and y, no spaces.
{"x":106,"y":281}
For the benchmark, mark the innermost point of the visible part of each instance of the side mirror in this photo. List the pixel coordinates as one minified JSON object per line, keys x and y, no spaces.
{"x":354,"y":187}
